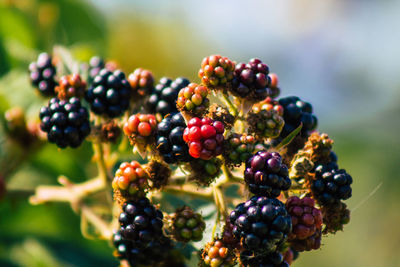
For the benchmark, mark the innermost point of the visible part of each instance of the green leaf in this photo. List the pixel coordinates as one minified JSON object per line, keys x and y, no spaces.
{"x":288,"y":139}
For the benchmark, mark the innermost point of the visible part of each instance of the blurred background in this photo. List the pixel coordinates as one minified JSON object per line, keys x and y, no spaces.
{"x":340,"y":55}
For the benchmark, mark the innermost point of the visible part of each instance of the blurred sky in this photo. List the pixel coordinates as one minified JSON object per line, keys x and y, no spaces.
{"x":340,"y":55}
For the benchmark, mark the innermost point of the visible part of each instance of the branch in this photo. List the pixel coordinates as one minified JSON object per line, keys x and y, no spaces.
{"x":97,"y":222}
{"x":189,"y":190}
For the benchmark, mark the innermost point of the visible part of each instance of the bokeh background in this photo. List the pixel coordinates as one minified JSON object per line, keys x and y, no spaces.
{"x":341,"y":55}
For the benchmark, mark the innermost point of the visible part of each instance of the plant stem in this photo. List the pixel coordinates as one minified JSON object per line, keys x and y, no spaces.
{"x":101,"y":163}
{"x":97,"y":222}
{"x":189,"y":190}
{"x":231,"y":106}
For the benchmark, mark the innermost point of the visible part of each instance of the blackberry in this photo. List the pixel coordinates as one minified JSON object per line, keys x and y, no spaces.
{"x":154,"y":253}
{"x":262,"y":224}
{"x":140,"y":129}
{"x":163,"y":98}
{"x":187,"y":225}
{"x":274,"y":259}
{"x":251,"y":80}
{"x":65,"y":122}
{"x":205,"y":137}
{"x":266,"y":175}
{"x":131,"y":180}
{"x":204,"y":172}
{"x":216,"y":71}
{"x":290,"y":255}
{"x":331,"y":185}
{"x":238,"y":148}
{"x":42,"y":74}
{"x":169,"y":139}
{"x":306,"y":223}
{"x":141,"y":81}
{"x":70,"y":86}
{"x":335,"y":216}
{"x":193,"y":99}
{"x":109,"y":94}
{"x":96,"y":64}
{"x":141,"y":222}
{"x":295,"y":112}
{"x":216,"y":253}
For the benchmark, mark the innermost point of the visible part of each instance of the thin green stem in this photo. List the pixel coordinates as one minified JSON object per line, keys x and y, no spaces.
{"x":231,"y":106}
{"x":182,"y":190}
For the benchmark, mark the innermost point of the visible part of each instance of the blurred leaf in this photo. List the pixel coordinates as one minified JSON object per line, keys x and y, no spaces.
{"x":288,"y":139}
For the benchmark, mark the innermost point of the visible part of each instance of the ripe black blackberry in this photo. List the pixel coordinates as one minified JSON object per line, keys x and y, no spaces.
{"x":274,"y":259}
{"x":262,"y":224}
{"x":136,"y":255}
{"x":141,"y":222}
{"x":163,"y":98}
{"x":295,"y":112}
{"x":169,"y":139}
{"x":109,"y":93}
{"x":42,"y":74}
{"x":96,"y":64}
{"x":65,"y":122}
{"x":331,"y":184}
{"x":266,"y":175}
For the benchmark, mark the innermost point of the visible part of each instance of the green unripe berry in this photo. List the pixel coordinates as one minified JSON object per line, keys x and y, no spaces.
{"x":180,"y":222}
{"x":211,"y":168}
{"x":186,"y":233}
{"x":191,"y":223}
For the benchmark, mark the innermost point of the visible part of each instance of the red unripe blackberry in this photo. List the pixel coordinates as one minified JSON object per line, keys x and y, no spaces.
{"x":204,"y":137}
{"x":141,"y":81}
{"x":187,"y":225}
{"x":251,"y":81}
{"x":306,"y":218}
{"x":70,"y":86}
{"x":266,"y":175}
{"x":140,"y":129}
{"x":164,"y":96}
{"x":141,"y":222}
{"x":65,"y":122}
{"x":216,"y":71}
{"x":216,"y":253}
{"x":274,"y":259}
{"x":109,"y":94}
{"x":262,"y":224}
{"x":42,"y":74}
{"x":193,"y":99}
{"x":131,"y":180}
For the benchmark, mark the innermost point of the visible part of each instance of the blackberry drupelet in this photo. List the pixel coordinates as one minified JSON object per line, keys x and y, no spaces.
{"x":109,"y":93}
{"x":163,"y":98}
{"x":204,"y":172}
{"x":295,"y":112}
{"x":169,"y":139}
{"x":216,"y":253}
{"x":187,"y":225}
{"x":274,"y":259}
{"x":42,"y":74}
{"x":262,"y":224}
{"x":266,"y":175}
{"x":96,"y":64}
{"x":331,"y":185}
{"x":141,"y":222}
{"x":65,"y":122}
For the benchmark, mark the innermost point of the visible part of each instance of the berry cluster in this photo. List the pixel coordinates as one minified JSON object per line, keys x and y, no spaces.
{"x":163,"y":98}
{"x":131,"y":179}
{"x":140,"y":222}
{"x":251,"y":80}
{"x":140,"y":129}
{"x":204,"y":137}
{"x":217,"y":254}
{"x":42,"y":74}
{"x":238,"y":148}
{"x":65,"y":122}
{"x":193,"y":99}
{"x":141,"y":81}
{"x":266,"y":175}
{"x":306,"y":223}
{"x":297,"y":112}
{"x":109,"y":93}
{"x":262,"y":224}
{"x":186,"y":225}
{"x":169,"y":139}
{"x":70,"y":86}
{"x":216,"y":71}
